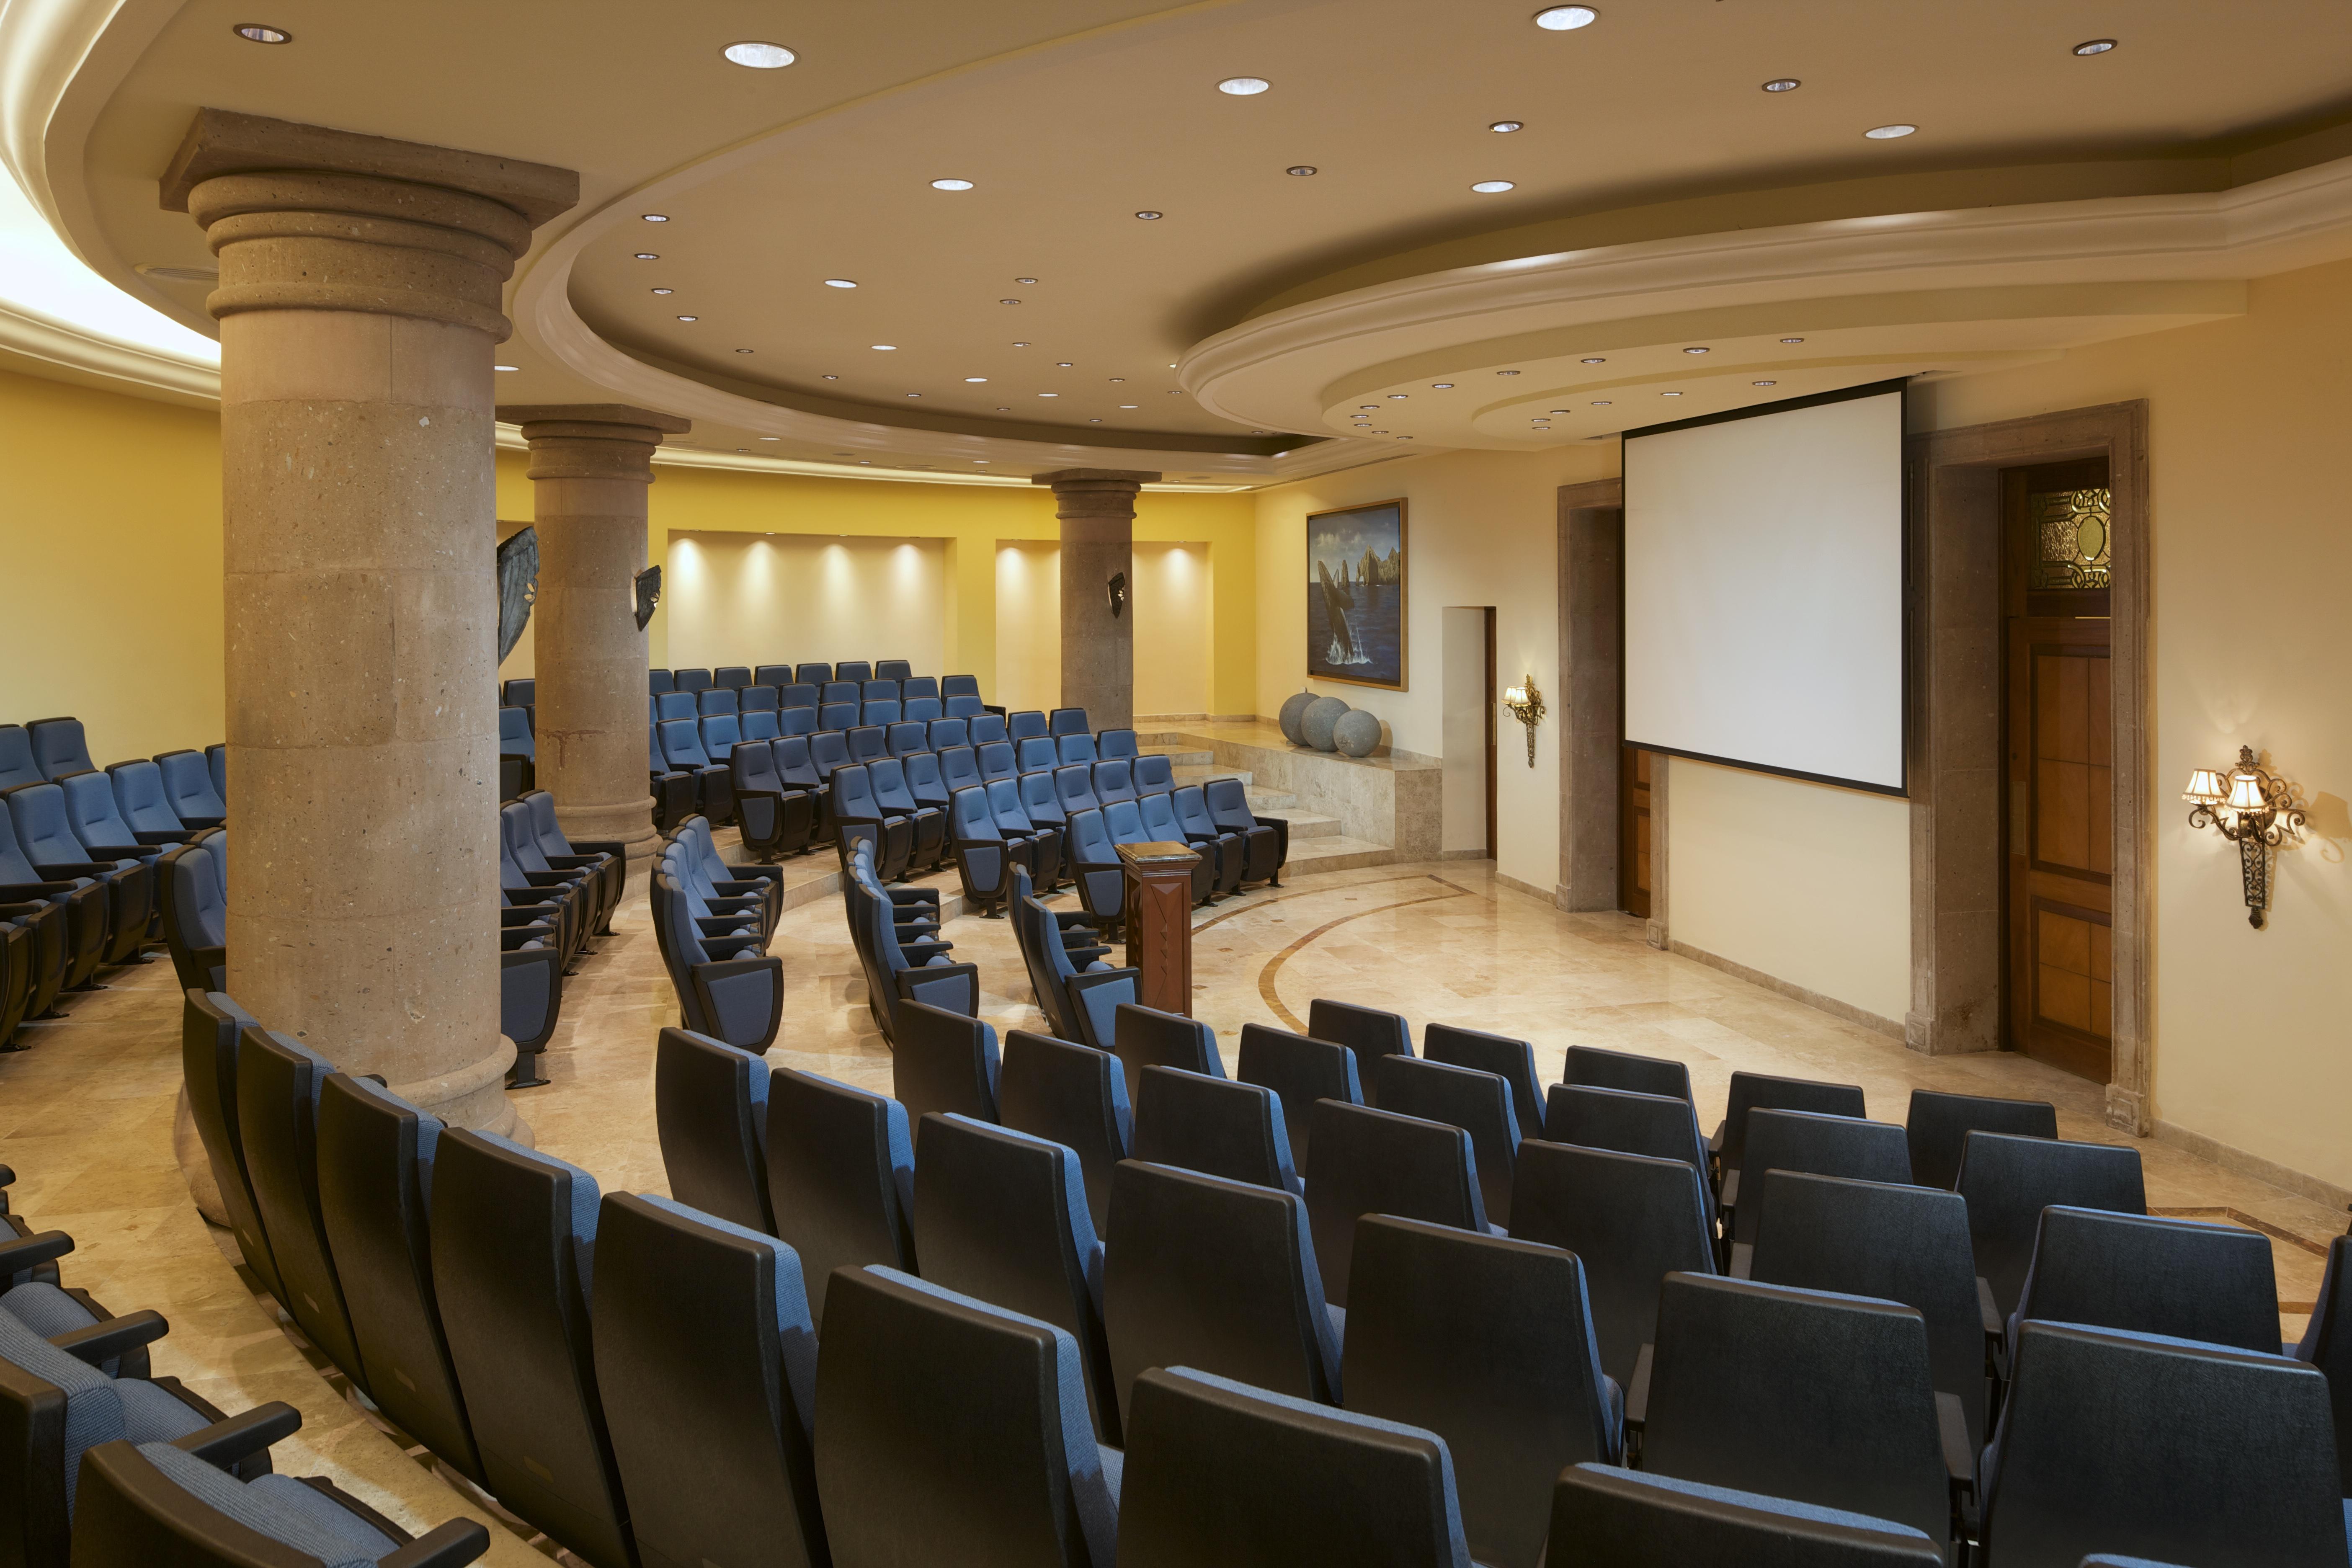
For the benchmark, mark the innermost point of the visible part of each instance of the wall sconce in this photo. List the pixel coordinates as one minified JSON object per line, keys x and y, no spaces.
{"x":1526,"y":705}
{"x":2253,"y":809}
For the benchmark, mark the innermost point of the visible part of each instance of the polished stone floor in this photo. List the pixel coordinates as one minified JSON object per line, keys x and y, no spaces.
{"x":86,"y":1113}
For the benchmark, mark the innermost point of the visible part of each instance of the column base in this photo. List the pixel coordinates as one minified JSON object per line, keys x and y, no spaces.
{"x":631,"y":824}
{"x":473,"y":1096}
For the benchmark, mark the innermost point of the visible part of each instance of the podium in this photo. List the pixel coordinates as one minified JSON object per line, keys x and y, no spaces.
{"x":1159,"y":919}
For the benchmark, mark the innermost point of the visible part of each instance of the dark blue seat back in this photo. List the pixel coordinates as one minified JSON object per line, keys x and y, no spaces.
{"x":677,"y":705}
{"x":883,"y":711}
{"x":1034,"y":754}
{"x":1026,"y":723}
{"x":719,"y":699}
{"x":796,"y":721}
{"x":877,"y":691}
{"x":794,"y":764}
{"x":1153,"y":774}
{"x":960,"y":768}
{"x":692,"y":680}
{"x":892,"y":669}
{"x":866,"y":742}
{"x":773,"y":675}
{"x":987,"y":728}
{"x":812,"y":674}
{"x":721,"y":731}
{"x":1074,"y":749}
{"x":1004,"y":805}
{"x":857,"y":670}
{"x":1112,"y":782}
{"x":914,"y":686}
{"x":16,"y":764}
{"x":920,"y":710}
{"x":1066,"y":721}
{"x":1038,"y":799}
{"x":827,"y":750}
{"x":188,"y":780}
{"x":796,"y":694}
{"x":949,"y":733}
{"x":837,"y":715}
{"x":731,"y":675}
{"x":1116,"y":744}
{"x":138,"y":791}
{"x":60,"y":747}
{"x":759,"y":697}
{"x":959,"y":685}
{"x":658,"y":681}
{"x":839,"y":692}
{"x":760,"y":724}
{"x":963,"y":706}
{"x":996,"y":761}
{"x":1073,"y":787}
{"x":906,"y":738}
{"x":681,"y":743}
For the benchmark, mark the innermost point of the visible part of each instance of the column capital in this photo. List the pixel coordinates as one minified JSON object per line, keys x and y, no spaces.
{"x":592,"y":440}
{"x":1105,"y":493}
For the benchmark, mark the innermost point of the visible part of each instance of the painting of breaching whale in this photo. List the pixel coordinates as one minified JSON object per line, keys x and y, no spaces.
{"x":1356,"y":586}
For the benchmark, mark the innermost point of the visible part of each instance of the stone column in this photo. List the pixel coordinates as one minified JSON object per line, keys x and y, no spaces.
{"x":1097,"y":507}
{"x":590,"y":464}
{"x":359,"y":304}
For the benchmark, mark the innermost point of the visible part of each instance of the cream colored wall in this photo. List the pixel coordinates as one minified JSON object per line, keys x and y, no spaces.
{"x":754,"y":599}
{"x":1028,"y":624}
{"x":1171,"y":596}
{"x":1805,"y":882}
{"x":1482,"y":528}
{"x":110,"y":552}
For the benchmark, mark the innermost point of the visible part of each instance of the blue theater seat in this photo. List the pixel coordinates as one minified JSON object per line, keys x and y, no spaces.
{"x":877,"y":691}
{"x":892,"y":669}
{"x":44,"y":835}
{"x":1116,"y":744}
{"x":1025,"y":723}
{"x":812,"y":674}
{"x":658,"y":681}
{"x":913,"y":686}
{"x":797,"y":694}
{"x":1066,"y":721}
{"x":894,"y":795}
{"x":60,"y":747}
{"x":959,"y":685}
{"x":905,"y":737}
{"x":677,"y":705}
{"x":759,"y":724}
{"x":837,"y":715}
{"x":1153,"y":774}
{"x":796,"y":721}
{"x":674,"y":793}
{"x":692,"y":680}
{"x":731,"y":675}
{"x":854,"y":670}
{"x":188,"y":785}
{"x":867,"y":743}
{"x":719,"y":699}
{"x":841,"y":691}
{"x":963,"y":706}
{"x":681,"y":748}
{"x":1036,"y":753}
{"x":920,"y":710}
{"x":987,"y":728}
{"x":948,"y":734}
{"x":881,"y":711}
{"x":773,"y":675}
{"x":1074,"y":748}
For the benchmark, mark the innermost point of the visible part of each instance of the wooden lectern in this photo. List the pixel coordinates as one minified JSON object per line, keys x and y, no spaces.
{"x":1159,"y":917}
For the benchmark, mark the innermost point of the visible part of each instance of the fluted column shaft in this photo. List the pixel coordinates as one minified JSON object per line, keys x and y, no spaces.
{"x":1096,"y":509}
{"x":590,"y":467}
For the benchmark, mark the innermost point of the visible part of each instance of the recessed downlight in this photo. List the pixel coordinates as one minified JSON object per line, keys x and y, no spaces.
{"x":689,"y":318}
{"x":950,"y":184}
{"x":1505,"y":127}
{"x":1491,"y":187}
{"x":1792,"y":340}
{"x":974,"y":380}
{"x":655,"y":218}
{"x":1441,"y":386}
{"x":981,"y":461}
{"x":1593,"y":359}
{"x":1024,"y":280}
{"x":665,"y":291}
{"x":1368,"y":405}
{"x":1130,"y":405}
{"x":1008,"y":301}
{"x":1888,"y":132}
{"x":1782,"y":84}
{"x":841,"y":282}
{"x":1064,"y":364}
{"x":759,"y":57}
{"x":832,"y":378}
{"x":1049,"y":395}
{"x":1561,"y":411}
{"x":1599,"y":403}
{"x":1301,"y":170}
{"x":886,"y":347}
{"x":1566,"y":18}
{"x":743,"y":351}
{"x":506,"y":367}
{"x":1763,"y":384}
{"x":1394,"y":395}
{"x":648,"y":256}
{"x":262,"y":33}
{"x":1020,"y":345}
{"x":1693,"y":351}
{"x":1117,"y":378}
{"x":771,"y":438}
{"x":2095,"y":46}
{"x":1670,"y":394}
{"x":1244,"y":86}
{"x":1506,"y":372}
{"x":1148,"y":217}
{"x":914,"y":395}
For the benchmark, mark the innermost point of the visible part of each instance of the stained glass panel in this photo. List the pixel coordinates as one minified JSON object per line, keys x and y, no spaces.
{"x":2070,"y":535}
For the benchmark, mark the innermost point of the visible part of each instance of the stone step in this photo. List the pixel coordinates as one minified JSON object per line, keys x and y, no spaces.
{"x":1271,"y":800}
{"x":1305,"y":824}
{"x":1335,"y":854}
{"x":1179,"y":756}
{"x":1190,"y":774}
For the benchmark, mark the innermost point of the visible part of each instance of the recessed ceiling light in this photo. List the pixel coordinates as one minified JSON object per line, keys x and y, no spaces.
{"x":1008,"y":301}
{"x":1049,"y":395}
{"x":1792,"y":340}
{"x":1369,"y":406}
{"x":1300,"y":169}
{"x":1782,"y":84}
{"x":506,"y":367}
{"x":1888,"y":132}
{"x":1559,"y":411}
{"x":841,"y":283}
{"x":1491,"y":187}
{"x":2095,"y":46}
{"x":1593,"y":359}
{"x":1599,"y":403}
{"x":1130,"y":405}
{"x":1670,"y":394}
{"x":743,"y":351}
{"x":1020,"y":345}
{"x":771,"y":438}
{"x":1117,"y":378}
{"x":1763,"y":384}
{"x":759,"y":57}
{"x":1148,"y":216}
{"x":914,"y":395}
{"x":262,"y":33}
{"x":1244,"y":86}
{"x":665,"y":291}
{"x":1064,"y":364}
{"x":1506,"y":372}
{"x":1175,"y":392}
{"x":689,"y":318}
{"x":1003,"y":408}
{"x":974,"y":378}
{"x":886,"y":347}
{"x":950,"y":184}
{"x":981,"y":460}
{"x":655,"y":217}
{"x":648,"y":256}
{"x":1693,"y":351}
{"x":1094,"y":421}
{"x":1441,"y":386}
{"x":1505,"y":127}
{"x":1566,"y":18}
{"x":832,"y":378}
{"x":1394,"y":395}
{"x":863,"y":463}
{"x":1024,"y":280}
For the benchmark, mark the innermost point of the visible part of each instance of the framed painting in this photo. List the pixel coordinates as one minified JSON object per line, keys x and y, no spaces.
{"x":1356,"y":579}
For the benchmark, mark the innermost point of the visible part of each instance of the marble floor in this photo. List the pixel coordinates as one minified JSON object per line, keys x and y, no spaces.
{"x":86,"y":1111}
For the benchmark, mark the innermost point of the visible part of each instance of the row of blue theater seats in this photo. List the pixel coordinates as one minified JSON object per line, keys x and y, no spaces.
{"x":81,"y":886}
{"x":851,"y":670}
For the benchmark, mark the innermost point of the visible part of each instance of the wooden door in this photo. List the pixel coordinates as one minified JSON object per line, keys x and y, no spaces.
{"x":2059,"y":810}
{"x":1633,"y":831}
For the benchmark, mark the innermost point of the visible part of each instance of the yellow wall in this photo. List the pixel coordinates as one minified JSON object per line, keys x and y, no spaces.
{"x":754,"y":599}
{"x":1170,"y":598}
{"x":110,"y":552}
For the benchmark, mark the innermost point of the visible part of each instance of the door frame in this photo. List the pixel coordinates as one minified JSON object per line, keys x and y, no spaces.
{"x":1591,"y":521}
{"x":1952,"y":487}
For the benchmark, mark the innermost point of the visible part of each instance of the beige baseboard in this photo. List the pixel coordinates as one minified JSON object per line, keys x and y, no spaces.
{"x":1463,"y":855}
{"x":2231,"y":1158}
{"x":1790,"y":988}
{"x":1529,"y":889}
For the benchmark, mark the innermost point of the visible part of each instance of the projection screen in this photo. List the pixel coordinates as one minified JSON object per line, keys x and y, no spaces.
{"x":1764,"y":597}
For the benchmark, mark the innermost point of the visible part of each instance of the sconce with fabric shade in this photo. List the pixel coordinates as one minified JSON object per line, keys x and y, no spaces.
{"x":2205,"y":788}
{"x":2253,"y":809}
{"x":1526,"y":705}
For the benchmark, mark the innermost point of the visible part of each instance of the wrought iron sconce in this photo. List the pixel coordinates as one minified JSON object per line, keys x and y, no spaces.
{"x":1526,"y":705}
{"x":2256,"y":810}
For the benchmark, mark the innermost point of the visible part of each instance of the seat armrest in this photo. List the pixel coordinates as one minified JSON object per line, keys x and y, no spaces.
{"x":1637,"y":1403}
{"x":1996,"y":1332}
{"x":56,"y":868}
{"x":20,"y":1253}
{"x":613,"y":846}
{"x":226,"y":1443}
{"x":121,"y":851}
{"x":928,"y":896}
{"x":1714,"y":1139}
{"x":575,"y":862}
{"x":186,"y":821}
{"x":1959,"y":1454}
{"x":514,"y":938}
{"x":451,"y":1544}
{"x":20,"y":892}
{"x":732,"y":947}
{"x":165,"y":837}
{"x":1743,"y":1259}
{"x":511,"y":915}
{"x":922,"y":952}
{"x":109,"y":1337}
{"x":550,"y":879}
{"x":1727,"y":1198}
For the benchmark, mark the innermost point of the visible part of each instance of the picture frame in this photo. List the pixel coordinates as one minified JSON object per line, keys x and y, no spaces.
{"x":1359,"y":595}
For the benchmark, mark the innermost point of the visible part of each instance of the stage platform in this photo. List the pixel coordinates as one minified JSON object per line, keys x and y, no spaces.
{"x":1344,"y":812}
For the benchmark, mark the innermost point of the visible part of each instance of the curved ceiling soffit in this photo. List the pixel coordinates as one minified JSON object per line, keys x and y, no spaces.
{"x":1289,"y":366}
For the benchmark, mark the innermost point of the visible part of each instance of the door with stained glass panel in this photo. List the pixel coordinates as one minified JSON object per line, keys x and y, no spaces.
{"x":2059,"y":808}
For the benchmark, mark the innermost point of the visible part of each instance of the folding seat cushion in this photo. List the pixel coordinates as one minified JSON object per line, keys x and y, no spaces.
{"x":2186,"y":1279}
{"x":2138,"y":1445}
{"x":1803,"y":1395}
{"x":1937,"y":1126}
{"x":1477,"y":1103}
{"x":60,"y":747}
{"x":840,"y":1172}
{"x":1376,"y":1161}
{"x":1073,"y":787}
{"x":895,"y":796}
{"x":1072,"y":1095}
{"x":760,"y":724}
{"x":45,"y":834}
{"x":1067,"y":721}
{"x":69,"y":914}
{"x":375,"y":1158}
{"x":658,"y":681}
{"x":1146,"y":1037}
{"x":1294,"y":1482}
{"x":882,"y":714}
{"x":773,"y":676}
{"x":944,"y":1062}
{"x":877,"y":691}
{"x":1824,"y":1145}
{"x":1300,"y":1071}
{"x":867,"y":741}
{"x":692,"y":680}
{"x":1367,"y":1031}
{"x":677,"y":705}
{"x":1202,"y":1272}
{"x":967,"y":707}
{"x":1488,"y":1343}
{"x":706,"y":1358}
{"x":17,"y":764}
{"x":210,"y":1026}
{"x":836,"y":716}
{"x":1001,"y":1215}
{"x":1266,"y":838}
{"x":711,"y":1113}
{"x":1161,"y":826}
{"x":514,"y":1240}
{"x":731,"y":676}
{"x":1631,"y":1218}
{"x":856,"y":670}
{"x":1080,"y":993}
{"x":812,"y":674}
{"x":1592,"y":1066}
{"x":1762,"y":1091}
{"x":1213,"y":1125}
{"x":988,"y":729}
{"x":796,"y":694}
{"x":1221,"y":847}
{"x":994,"y":759}
{"x":959,"y":685}
{"x":950,"y":1423}
{"x":905,"y":739}
{"x":2327,"y":1344}
{"x":1897,"y":1243}
{"x":892,"y":668}
{"x":2008,"y":1181}
{"x":1034,"y":754}
{"x":1603,"y":1515}
{"x":216,"y":763}
{"x":1512,"y":1061}
{"x":279,"y":1081}
{"x":1113,"y":781}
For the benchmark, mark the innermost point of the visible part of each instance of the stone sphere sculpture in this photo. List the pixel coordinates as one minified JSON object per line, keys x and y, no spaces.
{"x":1293,"y":710}
{"x":1315,"y":724}
{"x":1356,"y":733}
